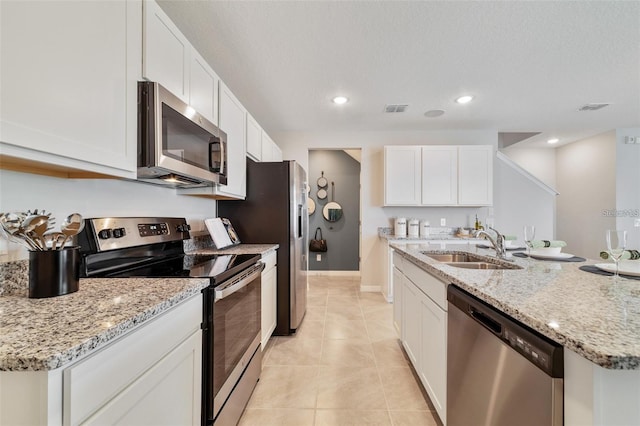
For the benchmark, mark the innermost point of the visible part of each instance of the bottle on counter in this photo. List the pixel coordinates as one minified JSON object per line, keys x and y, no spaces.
{"x":424,"y":228}
{"x":400,"y":227}
{"x":414,"y":228}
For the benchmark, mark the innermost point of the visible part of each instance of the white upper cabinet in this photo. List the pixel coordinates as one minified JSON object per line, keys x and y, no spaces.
{"x":475,"y":175}
{"x":438,"y":175}
{"x":402,"y":174}
{"x":270,"y":151}
{"x":166,"y":52}
{"x":69,"y":85}
{"x":169,"y":59}
{"x":203,"y":88}
{"x":254,"y":139}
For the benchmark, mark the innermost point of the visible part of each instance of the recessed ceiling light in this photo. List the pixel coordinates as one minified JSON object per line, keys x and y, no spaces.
{"x":434,"y":113}
{"x":340,"y":100}
{"x":553,"y":140}
{"x":464,"y":99}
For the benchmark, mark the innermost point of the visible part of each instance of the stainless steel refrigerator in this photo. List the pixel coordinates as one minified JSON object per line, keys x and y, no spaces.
{"x":275,"y":211}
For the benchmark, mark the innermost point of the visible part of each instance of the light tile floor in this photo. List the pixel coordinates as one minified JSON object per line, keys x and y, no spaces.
{"x":344,"y":366}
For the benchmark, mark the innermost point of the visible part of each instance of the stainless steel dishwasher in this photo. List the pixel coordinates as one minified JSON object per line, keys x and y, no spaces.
{"x":499,"y":371}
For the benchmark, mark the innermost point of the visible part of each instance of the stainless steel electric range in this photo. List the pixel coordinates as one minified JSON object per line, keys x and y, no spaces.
{"x":152,"y":247}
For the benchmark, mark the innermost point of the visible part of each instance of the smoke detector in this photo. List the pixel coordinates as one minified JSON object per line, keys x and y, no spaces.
{"x":389,"y":108}
{"x":592,"y":107}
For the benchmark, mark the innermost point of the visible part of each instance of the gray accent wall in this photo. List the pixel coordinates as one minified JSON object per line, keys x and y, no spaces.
{"x":342,"y":236}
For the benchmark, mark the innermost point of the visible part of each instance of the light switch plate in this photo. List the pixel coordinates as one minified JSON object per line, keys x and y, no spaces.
{"x":443,"y":221}
{"x":636,"y":222}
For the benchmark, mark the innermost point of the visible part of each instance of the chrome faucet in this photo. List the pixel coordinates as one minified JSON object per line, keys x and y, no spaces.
{"x":497,"y":242}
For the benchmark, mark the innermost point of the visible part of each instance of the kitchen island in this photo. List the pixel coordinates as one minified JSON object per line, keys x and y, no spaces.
{"x":596,"y":320}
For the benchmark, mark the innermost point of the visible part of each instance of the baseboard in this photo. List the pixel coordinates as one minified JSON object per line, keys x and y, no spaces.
{"x":334,"y":273}
{"x":370,"y":288}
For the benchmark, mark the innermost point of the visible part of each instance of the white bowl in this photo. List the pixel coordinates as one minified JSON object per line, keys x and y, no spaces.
{"x":509,"y":243}
{"x":549,"y":250}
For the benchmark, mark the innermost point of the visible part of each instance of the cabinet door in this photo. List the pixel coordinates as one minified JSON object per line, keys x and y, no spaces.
{"x":232,"y":122}
{"x":433,"y":370}
{"x":270,"y":151}
{"x":439,"y":175}
{"x":397,"y":300}
{"x":203,"y":88}
{"x":411,"y":326}
{"x":402,"y":175}
{"x":255,"y":136}
{"x":276,"y":152}
{"x":169,"y":393}
{"x":166,"y":52}
{"x":69,"y":84}
{"x":475,"y":175}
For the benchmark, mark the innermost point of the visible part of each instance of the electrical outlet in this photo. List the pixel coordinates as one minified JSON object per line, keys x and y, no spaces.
{"x":632,"y":139}
{"x":443,"y":221}
{"x":636,"y":222}
{"x":318,"y":257}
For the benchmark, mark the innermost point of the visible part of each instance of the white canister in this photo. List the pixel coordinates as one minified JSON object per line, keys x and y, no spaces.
{"x":400,"y":227}
{"x":414,"y":228}
{"x":424,"y":228}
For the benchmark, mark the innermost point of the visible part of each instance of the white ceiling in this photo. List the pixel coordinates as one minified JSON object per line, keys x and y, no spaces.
{"x":530,"y":65}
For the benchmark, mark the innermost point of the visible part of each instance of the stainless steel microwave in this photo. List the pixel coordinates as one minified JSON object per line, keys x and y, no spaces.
{"x":177,"y":146}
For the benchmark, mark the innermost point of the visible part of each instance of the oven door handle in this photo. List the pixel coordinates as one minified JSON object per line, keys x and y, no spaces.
{"x":232,"y":287}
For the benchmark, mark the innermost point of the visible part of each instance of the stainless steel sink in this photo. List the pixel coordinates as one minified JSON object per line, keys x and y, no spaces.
{"x":469,"y":261}
{"x":482,"y":265}
{"x":455,"y":257}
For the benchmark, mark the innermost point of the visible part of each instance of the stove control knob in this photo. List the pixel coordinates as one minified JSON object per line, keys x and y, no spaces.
{"x":183,"y":228}
{"x":119,"y":233}
{"x":104,"y":234}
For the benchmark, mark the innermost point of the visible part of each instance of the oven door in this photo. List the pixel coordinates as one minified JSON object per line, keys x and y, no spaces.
{"x":235,"y":325}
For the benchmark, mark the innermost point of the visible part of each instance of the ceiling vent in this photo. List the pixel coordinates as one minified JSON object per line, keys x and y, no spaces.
{"x":395,"y":108}
{"x":592,"y":107}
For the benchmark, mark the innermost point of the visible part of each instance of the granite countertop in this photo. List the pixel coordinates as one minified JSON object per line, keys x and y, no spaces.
{"x":587,"y":313}
{"x":45,"y":334}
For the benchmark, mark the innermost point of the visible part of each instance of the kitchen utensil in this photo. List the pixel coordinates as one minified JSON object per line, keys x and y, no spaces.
{"x":51,"y":239}
{"x":35,"y":226}
{"x":322,"y":181}
{"x":322,"y":194}
{"x":71,"y":226}
{"x":54,"y":272}
{"x":12,"y":225}
{"x":332,"y":211}
{"x":6,"y":234}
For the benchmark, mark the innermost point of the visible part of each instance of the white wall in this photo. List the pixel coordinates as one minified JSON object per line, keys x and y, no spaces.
{"x":96,"y":198}
{"x":295,"y":146}
{"x":540,"y":162}
{"x":628,"y":186}
{"x":586,"y":178}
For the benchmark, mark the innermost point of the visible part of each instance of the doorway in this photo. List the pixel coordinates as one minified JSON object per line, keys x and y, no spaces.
{"x":335,"y":202}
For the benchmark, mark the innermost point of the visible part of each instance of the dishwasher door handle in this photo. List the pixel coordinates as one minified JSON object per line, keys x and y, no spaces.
{"x":493,"y":326}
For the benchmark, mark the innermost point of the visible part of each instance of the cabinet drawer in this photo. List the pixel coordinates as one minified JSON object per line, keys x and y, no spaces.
{"x":269,"y":260}
{"x":90,"y":383}
{"x":427,"y":283}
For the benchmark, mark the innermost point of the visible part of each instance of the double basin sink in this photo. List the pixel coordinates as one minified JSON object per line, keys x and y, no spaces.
{"x":469,"y":260}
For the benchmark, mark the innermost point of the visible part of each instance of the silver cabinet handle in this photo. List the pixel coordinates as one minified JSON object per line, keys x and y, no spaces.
{"x":240,"y":281}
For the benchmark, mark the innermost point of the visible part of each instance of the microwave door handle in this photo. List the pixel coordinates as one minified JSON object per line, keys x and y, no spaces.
{"x":229,"y":289}
{"x":218,"y":142}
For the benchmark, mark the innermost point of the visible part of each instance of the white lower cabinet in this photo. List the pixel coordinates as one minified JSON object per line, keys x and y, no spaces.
{"x":150,"y":376}
{"x":397,"y":301}
{"x":423,"y":324}
{"x":269,"y":295}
